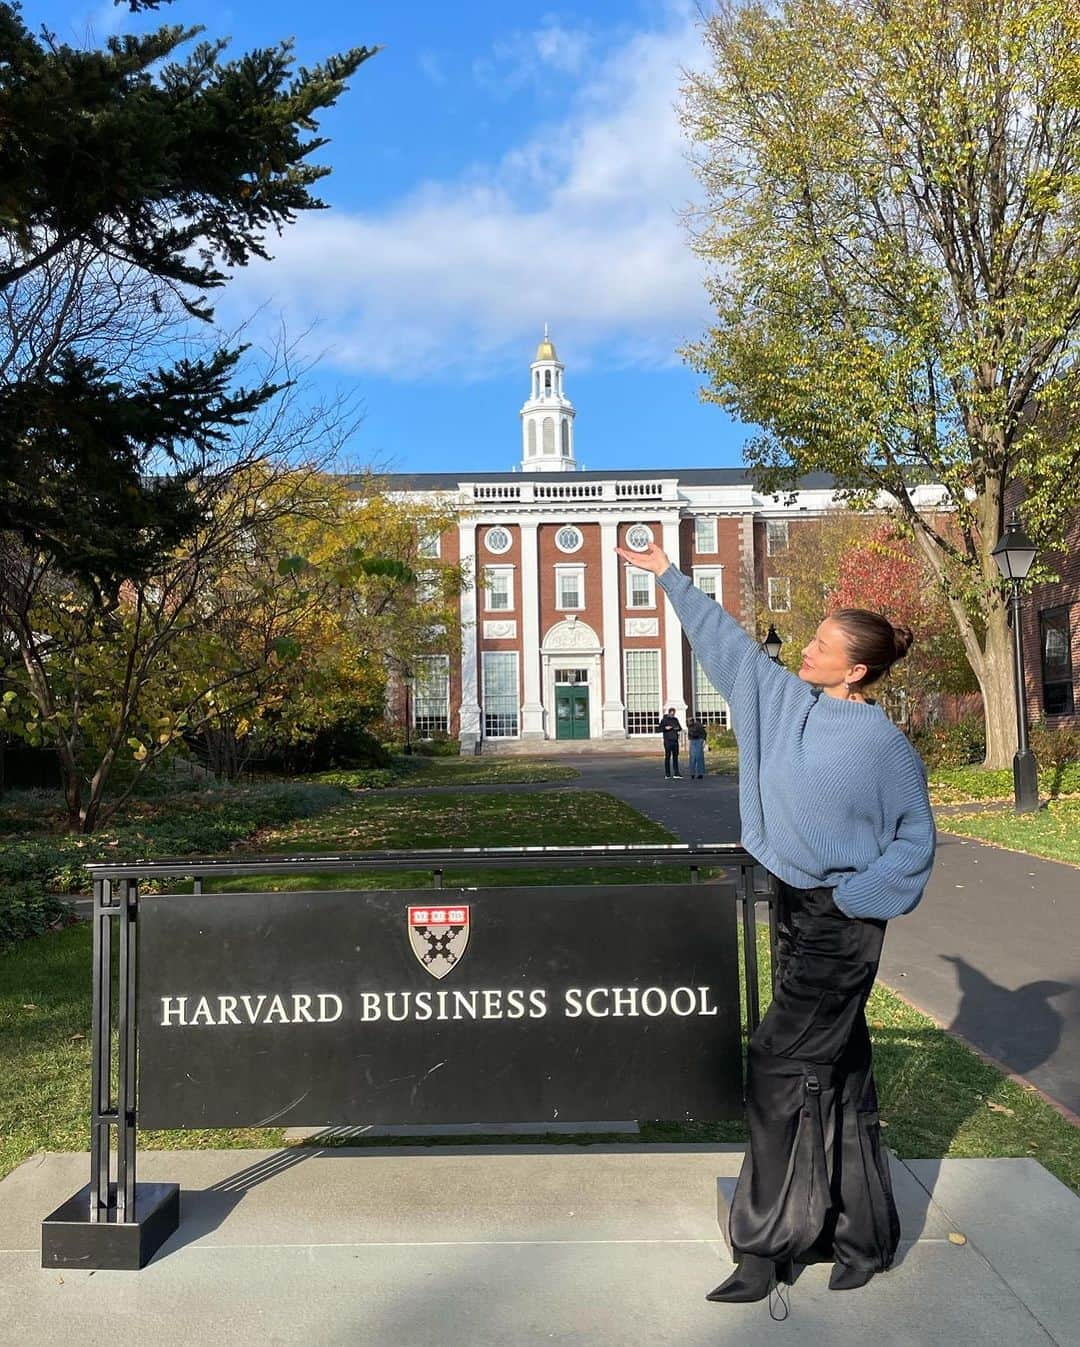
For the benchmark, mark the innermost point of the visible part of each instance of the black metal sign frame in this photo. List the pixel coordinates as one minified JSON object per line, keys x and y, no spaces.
{"x":115,"y":1222}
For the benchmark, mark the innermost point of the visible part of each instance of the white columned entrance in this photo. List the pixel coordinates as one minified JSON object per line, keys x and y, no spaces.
{"x":613,"y":716}
{"x":674,"y":693}
{"x":532,"y":710}
{"x":469,"y":731}
{"x":572,"y":644}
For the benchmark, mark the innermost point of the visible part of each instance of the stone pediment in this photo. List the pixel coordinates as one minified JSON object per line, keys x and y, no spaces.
{"x":571,"y":634}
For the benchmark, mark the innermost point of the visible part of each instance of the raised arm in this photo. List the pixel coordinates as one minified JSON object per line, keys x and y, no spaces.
{"x":720,"y":643}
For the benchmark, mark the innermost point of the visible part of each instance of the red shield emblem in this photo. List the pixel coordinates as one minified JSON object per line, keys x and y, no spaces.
{"x":438,"y":936}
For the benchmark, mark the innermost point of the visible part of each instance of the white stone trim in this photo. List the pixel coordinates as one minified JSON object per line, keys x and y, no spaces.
{"x":613,"y":717}
{"x":589,"y":660}
{"x":532,"y":709}
{"x":469,"y":727}
{"x":505,"y":630}
{"x":674,"y":694}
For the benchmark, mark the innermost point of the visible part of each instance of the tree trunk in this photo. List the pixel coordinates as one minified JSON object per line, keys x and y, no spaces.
{"x":997,"y":683}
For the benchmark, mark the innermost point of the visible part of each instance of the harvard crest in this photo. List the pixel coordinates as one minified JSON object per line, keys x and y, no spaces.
{"x":438,"y":936}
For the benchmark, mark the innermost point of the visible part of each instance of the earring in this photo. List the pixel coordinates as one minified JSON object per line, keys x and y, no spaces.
{"x":847,"y":687}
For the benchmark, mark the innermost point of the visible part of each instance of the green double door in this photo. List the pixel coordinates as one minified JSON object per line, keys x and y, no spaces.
{"x":571,"y":711}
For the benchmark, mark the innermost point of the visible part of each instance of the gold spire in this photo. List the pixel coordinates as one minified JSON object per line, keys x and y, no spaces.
{"x":546,"y":349}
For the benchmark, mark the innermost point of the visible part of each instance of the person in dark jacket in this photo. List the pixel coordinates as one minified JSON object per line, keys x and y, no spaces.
{"x":671,"y":729}
{"x":695,"y":737}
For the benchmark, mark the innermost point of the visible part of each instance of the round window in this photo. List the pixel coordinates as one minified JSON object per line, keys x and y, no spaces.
{"x":498,"y":539}
{"x":638,"y":537}
{"x":568,"y":539}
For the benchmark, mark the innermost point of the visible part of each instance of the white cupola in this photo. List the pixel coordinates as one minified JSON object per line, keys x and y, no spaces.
{"x":547,"y":418}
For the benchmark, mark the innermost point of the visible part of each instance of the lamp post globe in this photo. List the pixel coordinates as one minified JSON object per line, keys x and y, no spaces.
{"x":1014,"y":555}
{"x":772,"y":644}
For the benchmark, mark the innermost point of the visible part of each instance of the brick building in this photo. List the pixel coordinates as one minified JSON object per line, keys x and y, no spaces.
{"x":559,"y":639}
{"x":1051,"y":630}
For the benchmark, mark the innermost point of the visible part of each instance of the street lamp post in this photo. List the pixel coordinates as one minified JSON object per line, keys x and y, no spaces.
{"x":772,"y":644}
{"x":1014,"y":555}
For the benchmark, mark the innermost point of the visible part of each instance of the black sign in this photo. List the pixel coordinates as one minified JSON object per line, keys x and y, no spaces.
{"x":429,"y":1006}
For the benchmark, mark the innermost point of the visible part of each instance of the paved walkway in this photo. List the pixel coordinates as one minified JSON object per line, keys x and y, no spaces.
{"x":992,"y":952}
{"x":526,"y":1247}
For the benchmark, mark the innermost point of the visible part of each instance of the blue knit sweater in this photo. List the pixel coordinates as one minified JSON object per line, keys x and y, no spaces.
{"x":830,"y":791}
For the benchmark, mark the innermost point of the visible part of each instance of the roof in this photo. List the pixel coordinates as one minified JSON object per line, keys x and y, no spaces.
{"x":450,"y":481}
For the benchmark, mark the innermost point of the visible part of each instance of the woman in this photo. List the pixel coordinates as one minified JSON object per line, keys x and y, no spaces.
{"x":834,"y":803}
{"x":696,"y":734}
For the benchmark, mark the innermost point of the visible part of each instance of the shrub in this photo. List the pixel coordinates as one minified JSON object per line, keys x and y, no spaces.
{"x":1055,"y":747}
{"x":438,"y":746}
{"x":26,"y":910}
{"x":717,"y":737}
{"x":343,"y":744}
{"x":35,"y":869}
{"x":952,"y":745}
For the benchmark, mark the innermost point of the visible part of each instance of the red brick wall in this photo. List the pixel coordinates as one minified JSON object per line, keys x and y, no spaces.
{"x":1064,"y":593}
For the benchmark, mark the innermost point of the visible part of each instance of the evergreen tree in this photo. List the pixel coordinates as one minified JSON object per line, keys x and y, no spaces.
{"x":161,"y":173}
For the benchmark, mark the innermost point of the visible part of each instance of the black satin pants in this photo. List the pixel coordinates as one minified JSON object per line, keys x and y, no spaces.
{"x":815,"y":1183}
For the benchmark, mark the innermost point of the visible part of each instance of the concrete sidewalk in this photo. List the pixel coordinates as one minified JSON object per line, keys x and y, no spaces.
{"x":522,"y":1246}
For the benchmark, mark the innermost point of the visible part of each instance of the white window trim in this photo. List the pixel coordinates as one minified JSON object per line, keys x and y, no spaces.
{"x":715,"y":545}
{"x":569,"y":551}
{"x":577,"y":569}
{"x":768,"y":540}
{"x":486,"y":657}
{"x":718,"y":573}
{"x":498,"y":551}
{"x":658,"y":656}
{"x":630,"y":528}
{"x":507,"y":570}
{"x":780,"y":580}
{"x":442,"y":662}
{"x":651,"y":579}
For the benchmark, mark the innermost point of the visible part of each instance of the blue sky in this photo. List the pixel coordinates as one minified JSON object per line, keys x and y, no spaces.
{"x":495,"y":168}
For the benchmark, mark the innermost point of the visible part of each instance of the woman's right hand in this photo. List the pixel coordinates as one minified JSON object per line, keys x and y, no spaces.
{"x":653,"y":559}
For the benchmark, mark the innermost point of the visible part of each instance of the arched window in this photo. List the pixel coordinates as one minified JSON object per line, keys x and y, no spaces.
{"x":532,"y":438}
{"x":547,"y":381}
{"x":549,"y":434}
{"x":566,"y":439}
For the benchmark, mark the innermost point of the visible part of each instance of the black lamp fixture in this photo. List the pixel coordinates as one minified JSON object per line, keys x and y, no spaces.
{"x":1014,"y":555}
{"x":772,"y":643}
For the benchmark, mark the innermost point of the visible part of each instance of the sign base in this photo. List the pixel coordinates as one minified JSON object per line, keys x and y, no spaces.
{"x":70,"y":1239}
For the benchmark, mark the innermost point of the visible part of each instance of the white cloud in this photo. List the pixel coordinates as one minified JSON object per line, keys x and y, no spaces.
{"x":577,"y":227}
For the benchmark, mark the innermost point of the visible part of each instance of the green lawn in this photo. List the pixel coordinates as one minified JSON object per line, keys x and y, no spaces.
{"x":937,"y":1097}
{"x":1053,"y":832}
{"x":421,"y":771}
{"x":970,"y":785}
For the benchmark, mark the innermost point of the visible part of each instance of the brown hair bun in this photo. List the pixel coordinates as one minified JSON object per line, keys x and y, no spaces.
{"x":902,"y":640}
